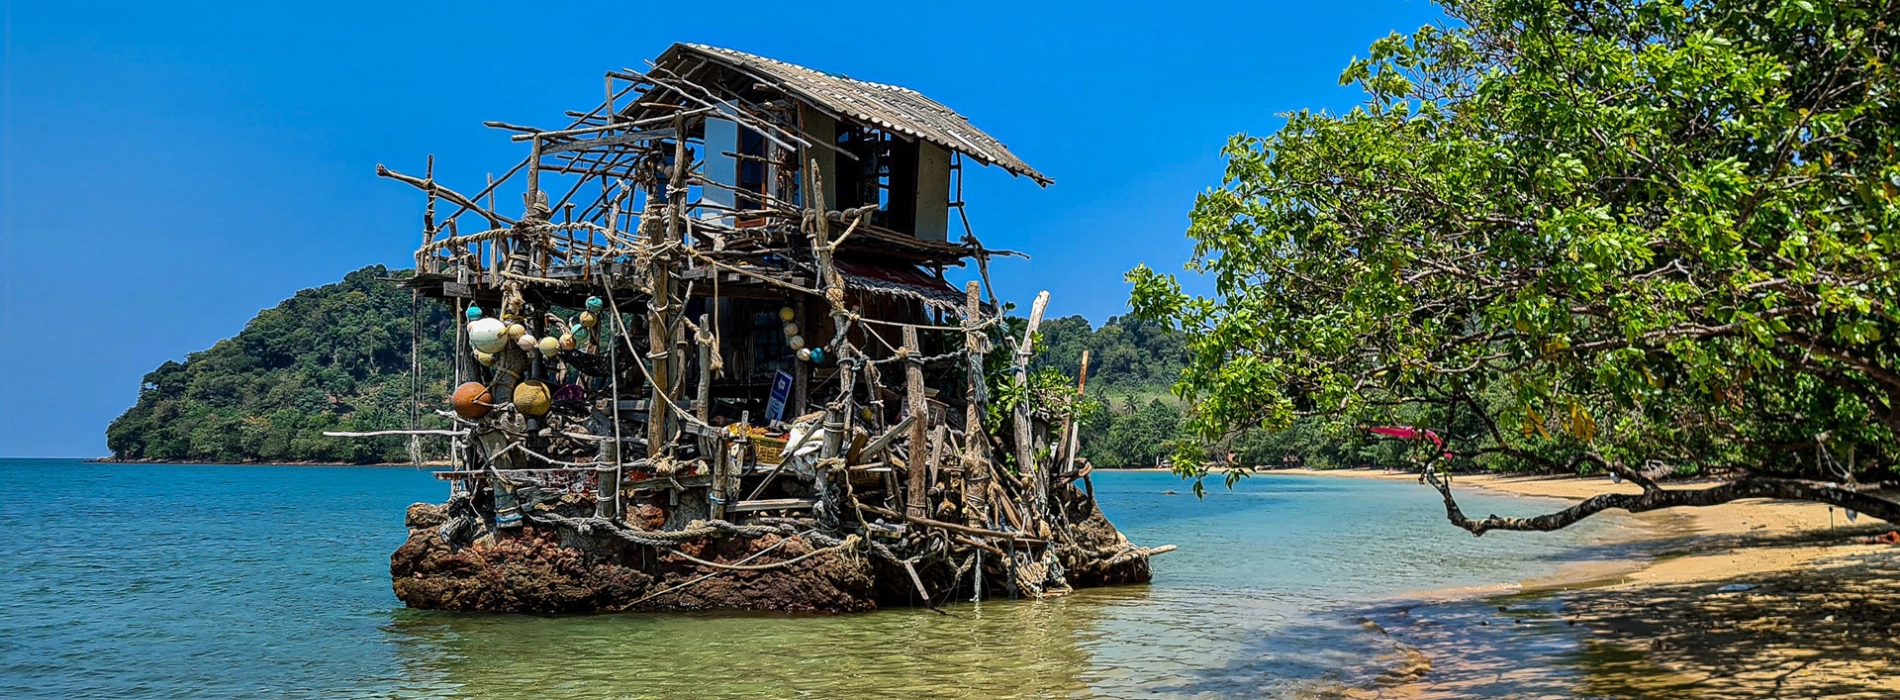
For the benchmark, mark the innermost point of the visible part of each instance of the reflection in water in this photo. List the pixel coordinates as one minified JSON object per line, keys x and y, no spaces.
{"x":992,"y":649}
{"x":263,"y":581}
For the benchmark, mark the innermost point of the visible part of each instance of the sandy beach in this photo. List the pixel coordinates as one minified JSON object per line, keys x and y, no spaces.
{"x":1743,"y":600}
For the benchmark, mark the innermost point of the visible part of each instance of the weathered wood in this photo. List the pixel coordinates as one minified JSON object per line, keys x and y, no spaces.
{"x":976,"y":463}
{"x":953,"y":527}
{"x":773,"y":504}
{"x":1071,"y":433}
{"x":918,"y":500}
{"x":444,"y":192}
{"x":669,"y":483}
{"x":605,"y":141}
{"x":607,"y":492}
{"x":448,"y":474}
{"x":890,"y":436}
{"x":1025,"y":441}
{"x":703,"y":411}
{"x":659,"y":336}
{"x":930,"y":465}
{"x":380,"y":433}
{"x":801,"y":370}
{"x":1006,"y":505}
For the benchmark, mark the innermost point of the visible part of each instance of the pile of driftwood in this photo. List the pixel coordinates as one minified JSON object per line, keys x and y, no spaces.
{"x":707,"y":388}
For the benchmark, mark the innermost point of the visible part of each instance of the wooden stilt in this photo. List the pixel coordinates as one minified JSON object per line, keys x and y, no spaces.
{"x":918,"y":474}
{"x":975,"y":453}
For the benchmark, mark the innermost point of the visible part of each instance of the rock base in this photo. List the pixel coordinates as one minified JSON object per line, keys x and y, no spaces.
{"x":543,"y":568}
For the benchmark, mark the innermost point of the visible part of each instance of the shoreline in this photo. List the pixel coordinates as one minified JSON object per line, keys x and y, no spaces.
{"x":1685,"y":545}
{"x":214,"y":463}
{"x":1721,"y":600}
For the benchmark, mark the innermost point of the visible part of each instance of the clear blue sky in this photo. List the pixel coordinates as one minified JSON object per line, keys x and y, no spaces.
{"x":169,"y":169}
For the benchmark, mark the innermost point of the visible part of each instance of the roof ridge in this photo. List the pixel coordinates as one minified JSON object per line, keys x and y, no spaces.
{"x":880,"y":104}
{"x":789,"y":64}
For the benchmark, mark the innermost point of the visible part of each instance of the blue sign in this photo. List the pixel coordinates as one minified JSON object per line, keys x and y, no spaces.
{"x":781,"y":392}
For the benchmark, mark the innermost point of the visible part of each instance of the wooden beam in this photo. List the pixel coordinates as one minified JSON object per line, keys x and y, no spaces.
{"x":976,"y":463}
{"x":773,"y":504}
{"x":605,"y":141}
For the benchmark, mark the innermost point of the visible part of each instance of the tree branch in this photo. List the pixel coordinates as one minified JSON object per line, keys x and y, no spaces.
{"x":1660,"y":498}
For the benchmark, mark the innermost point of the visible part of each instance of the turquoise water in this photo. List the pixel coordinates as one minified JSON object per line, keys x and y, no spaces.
{"x":177,"y":581}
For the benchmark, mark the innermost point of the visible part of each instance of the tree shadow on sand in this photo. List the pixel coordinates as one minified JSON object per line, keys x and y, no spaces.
{"x":1825,"y":631}
{"x":1830,"y":630}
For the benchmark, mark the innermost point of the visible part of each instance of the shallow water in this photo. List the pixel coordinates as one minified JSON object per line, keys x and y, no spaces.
{"x":222,"y":581}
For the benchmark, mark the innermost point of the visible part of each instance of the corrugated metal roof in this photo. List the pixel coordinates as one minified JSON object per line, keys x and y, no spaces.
{"x":885,"y":106}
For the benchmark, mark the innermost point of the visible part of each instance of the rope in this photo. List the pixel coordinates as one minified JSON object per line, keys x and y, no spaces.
{"x":550,"y":460}
{"x":658,"y":391}
{"x":901,"y":356}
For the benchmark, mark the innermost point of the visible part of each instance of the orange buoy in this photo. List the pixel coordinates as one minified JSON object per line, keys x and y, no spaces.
{"x":471,"y":400}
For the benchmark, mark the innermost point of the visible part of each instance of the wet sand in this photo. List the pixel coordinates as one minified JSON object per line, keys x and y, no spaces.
{"x":1751,"y":599}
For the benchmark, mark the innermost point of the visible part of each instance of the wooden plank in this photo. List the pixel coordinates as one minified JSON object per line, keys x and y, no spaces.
{"x":889,"y":436}
{"x":773,"y":504}
{"x":662,"y":482}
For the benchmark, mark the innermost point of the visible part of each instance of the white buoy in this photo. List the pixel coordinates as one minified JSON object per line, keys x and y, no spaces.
{"x":487,"y":335}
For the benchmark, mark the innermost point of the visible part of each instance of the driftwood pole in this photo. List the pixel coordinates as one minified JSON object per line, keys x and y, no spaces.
{"x":659,"y":342}
{"x":702,"y":410}
{"x":1025,"y":443}
{"x":1070,"y":431}
{"x":918,"y":470}
{"x":975,"y":445}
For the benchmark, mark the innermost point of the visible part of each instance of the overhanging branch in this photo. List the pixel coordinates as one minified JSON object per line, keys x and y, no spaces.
{"x":1660,"y":498}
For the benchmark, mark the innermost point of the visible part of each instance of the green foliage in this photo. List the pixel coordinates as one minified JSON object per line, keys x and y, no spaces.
{"x":1124,"y":354}
{"x":1126,"y":419}
{"x":1047,"y":391}
{"x":1139,"y":436}
{"x":1662,"y":233}
{"x":331,"y":358}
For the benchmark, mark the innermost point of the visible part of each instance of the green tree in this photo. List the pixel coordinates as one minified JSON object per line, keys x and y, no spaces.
{"x":1626,"y":235}
{"x":331,"y":358}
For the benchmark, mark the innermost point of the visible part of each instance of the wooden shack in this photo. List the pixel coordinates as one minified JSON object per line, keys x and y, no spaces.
{"x":712,"y":360}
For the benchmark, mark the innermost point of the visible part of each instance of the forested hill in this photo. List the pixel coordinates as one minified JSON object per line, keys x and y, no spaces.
{"x":1125,"y":355}
{"x":1132,"y":364}
{"x":331,"y":358}
{"x":336,"y":358}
